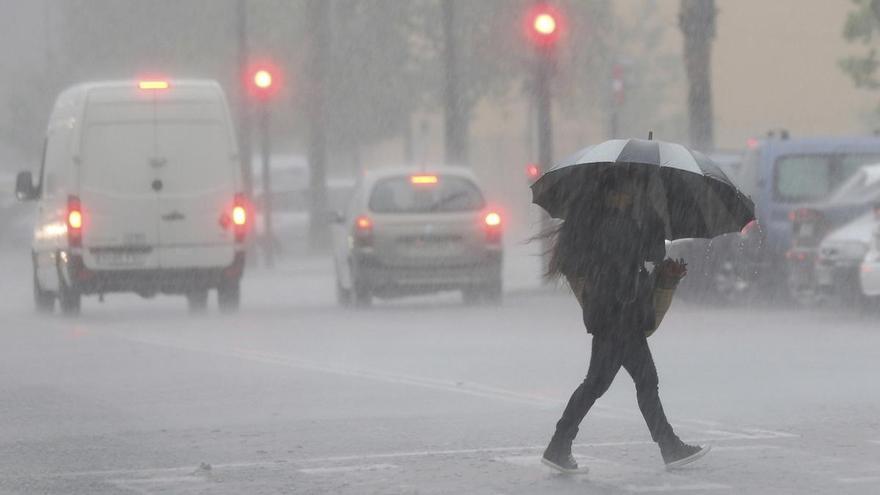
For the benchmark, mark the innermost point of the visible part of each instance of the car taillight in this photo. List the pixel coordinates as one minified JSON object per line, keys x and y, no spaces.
{"x":805,"y":215}
{"x":239,"y":217}
{"x":74,"y":221}
{"x":363,"y":231}
{"x":492,"y":225}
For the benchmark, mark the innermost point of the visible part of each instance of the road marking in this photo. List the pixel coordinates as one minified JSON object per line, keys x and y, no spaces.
{"x":348,"y":469}
{"x":738,"y":448}
{"x":143,"y":486}
{"x":618,"y":474}
{"x":859,"y":479}
{"x":454,"y":386}
{"x":668,"y":487}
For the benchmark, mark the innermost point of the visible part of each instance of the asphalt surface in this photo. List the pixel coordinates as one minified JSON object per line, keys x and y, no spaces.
{"x":426,"y":395}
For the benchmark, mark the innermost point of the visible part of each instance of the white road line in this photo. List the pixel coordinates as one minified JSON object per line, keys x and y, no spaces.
{"x":614,"y":473}
{"x":859,"y":479}
{"x":453,"y":386}
{"x":675,"y":488}
{"x":738,"y":448}
{"x":348,"y":469}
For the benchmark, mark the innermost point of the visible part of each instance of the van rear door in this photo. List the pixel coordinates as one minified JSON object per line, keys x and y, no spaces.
{"x":197,"y":168}
{"x":120,"y":230}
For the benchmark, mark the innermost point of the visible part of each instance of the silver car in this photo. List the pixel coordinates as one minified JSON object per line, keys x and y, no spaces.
{"x":407,"y":232}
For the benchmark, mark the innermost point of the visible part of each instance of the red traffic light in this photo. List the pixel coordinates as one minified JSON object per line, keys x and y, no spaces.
{"x":263,"y":80}
{"x":543,"y":25}
{"x":533,"y":171}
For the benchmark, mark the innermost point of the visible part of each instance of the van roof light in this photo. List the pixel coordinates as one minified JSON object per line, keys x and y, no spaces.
{"x":423,"y":179}
{"x":153,"y":84}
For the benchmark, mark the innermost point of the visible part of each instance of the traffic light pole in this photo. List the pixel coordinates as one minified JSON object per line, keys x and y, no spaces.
{"x":544,"y":116}
{"x":266,"y":147}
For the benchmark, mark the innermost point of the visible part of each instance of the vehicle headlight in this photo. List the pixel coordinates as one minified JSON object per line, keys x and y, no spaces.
{"x":844,"y":251}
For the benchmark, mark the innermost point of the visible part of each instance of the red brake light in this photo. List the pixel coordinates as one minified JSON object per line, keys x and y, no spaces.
{"x":423,"y":179}
{"x":239,"y":215}
{"x":75,"y":219}
{"x":492,"y":219}
{"x":153,"y":84}
{"x":363,"y":231}
{"x":363,"y":223}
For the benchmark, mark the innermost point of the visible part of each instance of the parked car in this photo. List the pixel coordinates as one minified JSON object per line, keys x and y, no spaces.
{"x":840,"y":258}
{"x":291,"y":194}
{"x":780,"y":175}
{"x":812,"y":222}
{"x":407,"y":232}
{"x":140,"y":190}
{"x":869,"y":273}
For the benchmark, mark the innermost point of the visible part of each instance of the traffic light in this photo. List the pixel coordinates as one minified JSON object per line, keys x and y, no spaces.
{"x":263,"y":81}
{"x":533,"y":171}
{"x":544,"y":25}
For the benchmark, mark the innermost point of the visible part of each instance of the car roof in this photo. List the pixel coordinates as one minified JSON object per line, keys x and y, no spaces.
{"x":372,"y":176}
{"x":821,"y":145}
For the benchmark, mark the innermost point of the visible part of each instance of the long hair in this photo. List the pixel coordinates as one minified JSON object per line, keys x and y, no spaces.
{"x":569,"y":243}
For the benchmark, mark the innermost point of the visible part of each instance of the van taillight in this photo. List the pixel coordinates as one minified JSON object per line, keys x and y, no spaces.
{"x":363,"y":231}
{"x":74,"y":221}
{"x":492,"y":225}
{"x":239,"y":217}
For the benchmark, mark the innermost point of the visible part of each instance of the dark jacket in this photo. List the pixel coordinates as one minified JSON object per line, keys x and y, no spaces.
{"x":609,"y":252}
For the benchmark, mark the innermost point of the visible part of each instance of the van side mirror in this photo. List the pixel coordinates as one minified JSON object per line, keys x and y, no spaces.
{"x":24,"y":187}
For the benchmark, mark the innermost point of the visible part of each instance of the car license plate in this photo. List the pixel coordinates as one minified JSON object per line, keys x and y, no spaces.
{"x":824,"y":275}
{"x":120,"y":258}
{"x":807,"y":230}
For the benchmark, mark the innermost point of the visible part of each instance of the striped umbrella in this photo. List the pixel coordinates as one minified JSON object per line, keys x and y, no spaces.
{"x":692,"y":194}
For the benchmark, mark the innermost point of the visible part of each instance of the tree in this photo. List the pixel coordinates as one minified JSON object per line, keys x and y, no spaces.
{"x":697,"y":22}
{"x":862,"y":27}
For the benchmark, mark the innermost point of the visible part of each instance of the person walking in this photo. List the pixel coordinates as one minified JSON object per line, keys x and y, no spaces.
{"x":601,"y":249}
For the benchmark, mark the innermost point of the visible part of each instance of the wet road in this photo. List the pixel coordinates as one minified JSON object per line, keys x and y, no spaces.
{"x":294,"y":395}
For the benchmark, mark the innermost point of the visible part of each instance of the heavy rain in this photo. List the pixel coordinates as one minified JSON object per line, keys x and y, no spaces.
{"x":439,"y":246}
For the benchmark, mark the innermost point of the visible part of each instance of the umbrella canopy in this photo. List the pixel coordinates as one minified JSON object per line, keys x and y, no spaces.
{"x":692,"y":194}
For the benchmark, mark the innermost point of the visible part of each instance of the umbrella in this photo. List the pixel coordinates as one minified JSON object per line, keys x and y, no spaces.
{"x":688,"y":191}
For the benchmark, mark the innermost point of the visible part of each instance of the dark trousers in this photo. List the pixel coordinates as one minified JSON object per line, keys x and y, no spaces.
{"x":628,"y":349}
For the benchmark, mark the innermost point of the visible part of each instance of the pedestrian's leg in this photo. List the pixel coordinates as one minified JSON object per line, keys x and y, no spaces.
{"x":605,"y":361}
{"x":639,"y":363}
{"x":604,"y":364}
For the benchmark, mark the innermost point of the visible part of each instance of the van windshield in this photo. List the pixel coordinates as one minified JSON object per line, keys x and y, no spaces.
{"x":802,"y":178}
{"x":447,"y":194}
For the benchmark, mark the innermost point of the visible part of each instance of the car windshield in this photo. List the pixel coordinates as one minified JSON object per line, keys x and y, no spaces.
{"x":813,"y":177}
{"x":445,"y":194}
{"x":863,"y":185}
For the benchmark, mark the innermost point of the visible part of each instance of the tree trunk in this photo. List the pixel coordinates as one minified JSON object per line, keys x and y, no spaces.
{"x":317,"y":13}
{"x":456,"y":125}
{"x":697,"y":23}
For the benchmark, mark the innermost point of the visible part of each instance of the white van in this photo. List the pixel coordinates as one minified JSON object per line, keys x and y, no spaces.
{"x":140,"y":190}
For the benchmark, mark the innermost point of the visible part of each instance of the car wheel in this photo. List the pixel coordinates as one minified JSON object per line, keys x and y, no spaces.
{"x":197,"y":301}
{"x":493,"y":293}
{"x":70,"y":300}
{"x":343,"y":295}
{"x":229,"y":297}
{"x":44,"y":301}
{"x":362,"y":295}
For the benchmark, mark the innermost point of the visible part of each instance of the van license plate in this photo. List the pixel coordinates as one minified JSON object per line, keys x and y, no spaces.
{"x":120,"y":258}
